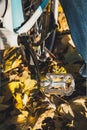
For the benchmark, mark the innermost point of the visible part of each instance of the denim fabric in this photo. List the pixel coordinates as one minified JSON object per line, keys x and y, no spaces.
{"x":76,"y":14}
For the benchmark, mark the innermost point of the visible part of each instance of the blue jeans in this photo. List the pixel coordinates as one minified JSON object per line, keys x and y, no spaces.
{"x":76,"y":14}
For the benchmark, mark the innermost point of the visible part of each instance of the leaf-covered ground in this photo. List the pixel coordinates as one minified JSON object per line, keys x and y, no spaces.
{"x":23,"y":106}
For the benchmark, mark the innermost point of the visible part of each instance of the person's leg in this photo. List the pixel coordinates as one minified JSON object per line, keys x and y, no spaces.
{"x":75,"y":11}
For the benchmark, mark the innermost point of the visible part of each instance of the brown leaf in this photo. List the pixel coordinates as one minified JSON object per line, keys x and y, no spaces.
{"x":3,"y":107}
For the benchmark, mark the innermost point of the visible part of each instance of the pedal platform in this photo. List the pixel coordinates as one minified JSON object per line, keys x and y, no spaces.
{"x":59,"y":84}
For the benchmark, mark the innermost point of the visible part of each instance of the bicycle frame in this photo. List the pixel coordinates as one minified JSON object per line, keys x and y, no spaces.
{"x":10,"y":24}
{"x":51,"y":85}
{"x":14,"y":10}
{"x":28,"y":25}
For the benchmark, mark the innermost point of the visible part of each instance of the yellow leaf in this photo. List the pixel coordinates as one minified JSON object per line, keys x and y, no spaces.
{"x":18,"y":98}
{"x":32,"y":119}
{"x":25,"y":99}
{"x":14,"y":85}
{"x":19,"y":106}
{"x":65,"y":109}
{"x":29,"y":84}
{"x":22,"y":117}
{"x":16,"y":63}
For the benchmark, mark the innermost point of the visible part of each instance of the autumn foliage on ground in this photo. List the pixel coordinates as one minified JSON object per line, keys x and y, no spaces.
{"x":25,"y":106}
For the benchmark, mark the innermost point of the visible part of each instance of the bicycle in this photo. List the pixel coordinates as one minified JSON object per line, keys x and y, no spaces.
{"x":35,"y":26}
{"x":32,"y":34}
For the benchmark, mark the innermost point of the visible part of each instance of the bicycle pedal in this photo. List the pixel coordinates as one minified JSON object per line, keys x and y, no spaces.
{"x":59,"y":84}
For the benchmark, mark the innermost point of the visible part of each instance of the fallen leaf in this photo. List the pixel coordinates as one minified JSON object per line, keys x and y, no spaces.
{"x":3,"y":107}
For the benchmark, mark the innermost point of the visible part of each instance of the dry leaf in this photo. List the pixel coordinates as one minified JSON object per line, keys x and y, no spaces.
{"x":1,"y":99}
{"x":18,"y":98}
{"x":66,"y":110}
{"x":3,"y":107}
{"x":17,"y":62}
{"x":14,"y":85}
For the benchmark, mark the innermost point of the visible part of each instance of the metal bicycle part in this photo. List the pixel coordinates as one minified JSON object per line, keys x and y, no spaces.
{"x":59,"y":84}
{"x":28,"y":55}
{"x":70,"y":84}
{"x":41,"y":28}
{"x":53,"y":23}
{"x":3,"y":7}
